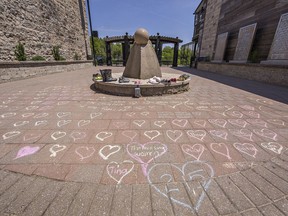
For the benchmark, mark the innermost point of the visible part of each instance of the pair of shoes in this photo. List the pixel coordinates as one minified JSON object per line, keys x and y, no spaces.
{"x":97,"y":77}
{"x":123,"y":80}
{"x":166,"y":81}
{"x":107,"y":75}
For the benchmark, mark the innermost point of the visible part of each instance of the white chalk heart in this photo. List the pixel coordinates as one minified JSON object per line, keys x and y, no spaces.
{"x":82,"y":123}
{"x":41,"y":115}
{"x":84,"y":152}
{"x":174,"y":135}
{"x":152,"y":134}
{"x":180,"y":122}
{"x":276,"y":121}
{"x":56,"y":148}
{"x":219,"y":134}
{"x":201,"y":123}
{"x":195,"y":151}
{"x":94,"y":115}
{"x":139,"y":122}
{"x":58,"y":135}
{"x":103,"y":135}
{"x":243,"y":133}
{"x":273,"y":146}
{"x":38,"y":123}
{"x":10,"y":134}
{"x":31,"y":137}
{"x":63,"y":122}
{"x":159,"y":123}
{"x":109,"y":150}
{"x":246,"y":148}
{"x":78,"y":135}
{"x":63,"y":114}
{"x":129,"y":134}
{"x":221,"y":148}
{"x":26,"y":115}
{"x":219,"y":122}
{"x":266,"y":133}
{"x":117,"y":171}
{"x":20,"y":123}
{"x":198,"y":134}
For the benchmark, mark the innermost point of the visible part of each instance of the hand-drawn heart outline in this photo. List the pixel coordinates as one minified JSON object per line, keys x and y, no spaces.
{"x":63,"y":122}
{"x":215,"y":147}
{"x":243,"y":133}
{"x":103,"y":135}
{"x":219,"y":134}
{"x":197,"y":134}
{"x":273,"y":146}
{"x":129,"y":134}
{"x":139,"y":122}
{"x":177,"y":134}
{"x":159,"y":123}
{"x":20,"y":123}
{"x":57,"y":148}
{"x":238,"y":122}
{"x":266,"y":133}
{"x":180,"y":122}
{"x":246,"y":150}
{"x":117,"y":164}
{"x":78,"y":135}
{"x":82,"y":123}
{"x":58,"y":135}
{"x":188,"y":149}
{"x":182,"y":171}
{"x":94,"y":115}
{"x":10,"y":134}
{"x":201,"y":123}
{"x":43,"y":122}
{"x":111,"y":147}
{"x":219,"y":122}
{"x":87,"y":149}
{"x":152,"y":134}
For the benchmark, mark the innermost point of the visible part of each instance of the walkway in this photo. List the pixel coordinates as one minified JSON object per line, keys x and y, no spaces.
{"x":219,"y":149}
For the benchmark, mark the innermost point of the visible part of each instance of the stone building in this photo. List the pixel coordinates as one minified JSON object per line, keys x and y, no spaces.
{"x":41,"y":25}
{"x":227,"y":17}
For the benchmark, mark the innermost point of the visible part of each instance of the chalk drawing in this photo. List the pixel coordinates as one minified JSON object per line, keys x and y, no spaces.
{"x":273,"y":146}
{"x":246,"y":148}
{"x":175,"y":104}
{"x":84,"y":152}
{"x":10,"y":134}
{"x":27,"y":150}
{"x":243,"y":133}
{"x":276,"y":122}
{"x":41,"y":115}
{"x":43,"y":122}
{"x":8,"y":115}
{"x":20,"y":123}
{"x":229,"y":165}
{"x":219,"y":122}
{"x":236,"y":114}
{"x":131,"y":114}
{"x":198,"y":134}
{"x":63,"y":122}
{"x":63,"y":114}
{"x":103,"y":135}
{"x":238,"y":122}
{"x":180,"y":122}
{"x":201,"y":123}
{"x":266,"y":133}
{"x":152,"y":134}
{"x":55,"y":149}
{"x":144,"y":113}
{"x":219,"y":134}
{"x":195,"y":151}
{"x":247,"y":107}
{"x":31,"y":137}
{"x":146,"y":153}
{"x":252,"y":114}
{"x":108,"y":150}
{"x":174,"y":135}
{"x":191,"y":170}
{"x":26,"y":115}
{"x":258,"y":122}
{"x":129,"y":134}
{"x":159,"y":123}
{"x":58,"y":135}
{"x":32,"y":108}
{"x":117,"y":171}
{"x":77,"y":135}
{"x":82,"y":123}
{"x":221,"y":148}
{"x":94,"y":115}
{"x":139,"y":123}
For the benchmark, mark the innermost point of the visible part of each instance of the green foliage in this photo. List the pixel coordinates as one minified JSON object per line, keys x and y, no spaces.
{"x":100,"y":48}
{"x":38,"y":58}
{"x":185,"y":56}
{"x":76,"y":57}
{"x":116,"y":50}
{"x":167,"y":54}
{"x":56,"y":53}
{"x":20,"y":52}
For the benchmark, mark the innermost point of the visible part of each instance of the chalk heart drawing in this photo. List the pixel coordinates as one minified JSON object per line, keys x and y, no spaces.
{"x":221,"y":109}
{"x":26,"y":115}
{"x":82,"y":123}
{"x":144,"y":113}
{"x":159,"y":123}
{"x":276,"y":121}
{"x":266,"y":133}
{"x":146,"y":153}
{"x":258,"y":122}
{"x":221,"y":148}
{"x":78,"y":135}
{"x":7,"y":115}
{"x":103,"y":135}
{"x":55,"y":149}
{"x":84,"y":152}
{"x":129,"y":134}
{"x":247,"y":107}
{"x":238,"y":122}
{"x":58,"y":135}
{"x":20,"y":123}
{"x":191,"y":171}
{"x":120,"y":124}
{"x":117,"y":171}
{"x":219,"y":134}
{"x":63,"y":114}
{"x":152,"y":134}
{"x":41,"y":115}
{"x":246,"y":148}
{"x":273,"y":146}
{"x":27,"y":150}
{"x":31,"y":137}
{"x":198,"y":134}
{"x":236,"y":114}
{"x":38,"y":123}
{"x":139,"y":122}
{"x":94,"y":115}
{"x":63,"y":122}
{"x":195,"y":151}
{"x":109,"y":150}
{"x":201,"y":123}
{"x":243,"y":133}
{"x":10,"y":134}
{"x":219,"y":122}
{"x":180,"y":122}
{"x":252,"y":114}
{"x":131,"y":114}
{"x":174,"y":135}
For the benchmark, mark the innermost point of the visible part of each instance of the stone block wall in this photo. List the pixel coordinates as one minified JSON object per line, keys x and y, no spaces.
{"x":209,"y":36}
{"x":276,"y":75}
{"x":42,"y":24}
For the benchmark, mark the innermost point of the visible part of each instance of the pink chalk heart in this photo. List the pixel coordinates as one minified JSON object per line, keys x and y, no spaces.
{"x":266,"y":133}
{"x":117,"y":171}
{"x":243,"y":133}
{"x":195,"y":151}
{"x":27,"y":150}
{"x":220,"y":134}
{"x":246,"y":148}
{"x":198,"y":134}
{"x":191,"y":175}
{"x":146,"y":153}
{"x":273,"y":146}
{"x":221,"y":148}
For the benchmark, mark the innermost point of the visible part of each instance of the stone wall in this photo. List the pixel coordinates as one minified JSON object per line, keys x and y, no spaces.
{"x":42,"y":24}
{"x":276,"y":75}
{"x":11,"y":71}
{"x":210,"y":28}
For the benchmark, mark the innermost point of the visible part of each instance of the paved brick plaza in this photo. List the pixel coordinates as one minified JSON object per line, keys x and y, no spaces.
{"x":219,"y":149}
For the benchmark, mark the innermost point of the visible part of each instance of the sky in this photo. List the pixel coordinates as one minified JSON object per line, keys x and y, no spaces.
{"x":171,"y":18}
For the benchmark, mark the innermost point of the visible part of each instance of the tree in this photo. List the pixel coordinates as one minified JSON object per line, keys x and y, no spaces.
{"x":185,"y":55}
{"x":20,"y":52}
{"x":116,"y":50}
{"x":99,"y":46}
{"x":167,"y":55}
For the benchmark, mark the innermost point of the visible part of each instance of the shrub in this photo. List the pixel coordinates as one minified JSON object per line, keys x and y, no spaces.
{"x":38,"y":58}
{"x":20,"y":52}
{"x":56,"y":53}
{"x":77,"y":57}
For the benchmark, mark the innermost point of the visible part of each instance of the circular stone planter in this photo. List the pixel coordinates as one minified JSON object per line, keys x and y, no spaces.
{"x":147,"y":89}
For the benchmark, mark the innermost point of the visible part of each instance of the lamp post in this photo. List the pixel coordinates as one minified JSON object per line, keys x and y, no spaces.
{"x":93,"y":49}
